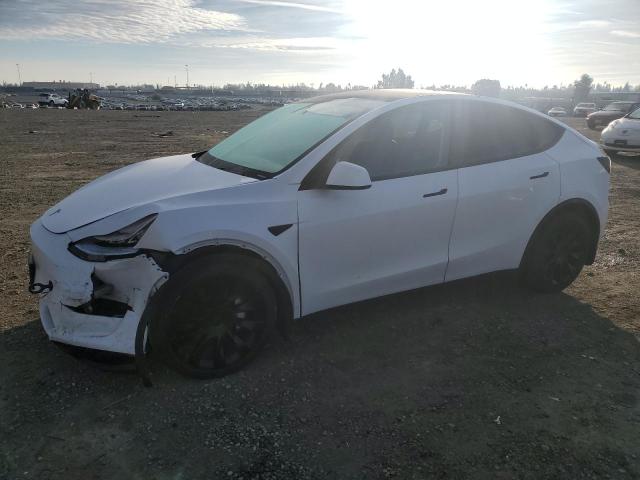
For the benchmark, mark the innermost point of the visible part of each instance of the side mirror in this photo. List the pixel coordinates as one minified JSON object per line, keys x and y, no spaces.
{"x":348,"y":176}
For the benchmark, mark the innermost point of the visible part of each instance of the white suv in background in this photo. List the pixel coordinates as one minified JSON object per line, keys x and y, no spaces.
{"x":51,"y":100}
{"x":317,"y":204}
{"x":584,"y":109}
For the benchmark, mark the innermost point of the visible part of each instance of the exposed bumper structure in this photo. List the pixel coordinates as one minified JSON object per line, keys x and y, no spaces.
{"x":92,"y":305}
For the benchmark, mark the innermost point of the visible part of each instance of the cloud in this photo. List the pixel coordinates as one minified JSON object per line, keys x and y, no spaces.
{"x":112,"y":21}
{"x":263,"y":43}
{"x":594,"y":23}
{"x":302,"y":6}
{"x":625,"y":33}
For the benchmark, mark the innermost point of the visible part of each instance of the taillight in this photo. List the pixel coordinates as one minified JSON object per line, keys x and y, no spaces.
{"x":606,"y":163}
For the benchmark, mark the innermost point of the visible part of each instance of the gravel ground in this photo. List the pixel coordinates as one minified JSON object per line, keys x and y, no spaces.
{"x":473,"y":379}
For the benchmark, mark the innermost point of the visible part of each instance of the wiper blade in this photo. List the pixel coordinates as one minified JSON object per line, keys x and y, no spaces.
{"x":225,"y":166}
{"x":248,"y":172}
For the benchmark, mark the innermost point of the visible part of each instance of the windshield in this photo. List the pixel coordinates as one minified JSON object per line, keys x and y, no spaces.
{"x":635,"y":115}
{"x":276,"y":140}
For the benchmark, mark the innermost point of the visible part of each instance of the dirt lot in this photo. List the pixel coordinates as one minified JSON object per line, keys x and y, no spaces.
{"x":475,"y":379}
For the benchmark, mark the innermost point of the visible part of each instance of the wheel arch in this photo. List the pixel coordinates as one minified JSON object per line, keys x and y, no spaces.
{"x":275,"y":273}
{"x":574,"y":205}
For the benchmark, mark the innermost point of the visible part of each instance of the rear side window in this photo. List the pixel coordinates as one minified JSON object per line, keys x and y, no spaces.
{"x":407,"y":141}
{"x":484,"y":132}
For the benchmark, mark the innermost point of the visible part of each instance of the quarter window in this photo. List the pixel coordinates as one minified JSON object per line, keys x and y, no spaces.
{"x":486,"y":132}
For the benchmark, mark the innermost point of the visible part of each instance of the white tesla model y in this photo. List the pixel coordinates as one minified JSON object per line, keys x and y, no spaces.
{"x":320,"y":203}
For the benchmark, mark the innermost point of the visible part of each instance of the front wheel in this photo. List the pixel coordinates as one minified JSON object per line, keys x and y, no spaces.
{"x":556,"y":253}
{"x":214,"y":316}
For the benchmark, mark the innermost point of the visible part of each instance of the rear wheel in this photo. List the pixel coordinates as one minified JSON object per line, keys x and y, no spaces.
{"x":557,"y":253}
{"x":215,"y":315}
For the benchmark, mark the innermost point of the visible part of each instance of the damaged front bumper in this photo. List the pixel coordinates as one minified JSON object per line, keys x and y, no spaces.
{"x":92,"y":305}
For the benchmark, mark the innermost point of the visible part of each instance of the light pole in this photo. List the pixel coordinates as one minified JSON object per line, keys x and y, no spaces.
{"x":19,"y":76}
{"x":187,"y":69}
{"x":91,"y":78}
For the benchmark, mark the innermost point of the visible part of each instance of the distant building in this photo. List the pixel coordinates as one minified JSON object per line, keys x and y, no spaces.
{"x":60,"y":85}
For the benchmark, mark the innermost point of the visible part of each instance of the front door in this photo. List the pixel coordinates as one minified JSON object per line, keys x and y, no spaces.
{"x":394,"y":236}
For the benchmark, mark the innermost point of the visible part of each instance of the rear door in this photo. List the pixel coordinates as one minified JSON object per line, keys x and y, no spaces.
{"x":394,"y":236}
{"x":506,"y":182}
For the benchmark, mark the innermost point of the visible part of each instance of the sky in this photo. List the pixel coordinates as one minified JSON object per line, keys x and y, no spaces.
{"x":532,"y":42}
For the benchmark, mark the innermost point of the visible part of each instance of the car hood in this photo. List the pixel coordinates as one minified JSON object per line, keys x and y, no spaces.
{"x":136,"y":185}
{"x":630,"y":123}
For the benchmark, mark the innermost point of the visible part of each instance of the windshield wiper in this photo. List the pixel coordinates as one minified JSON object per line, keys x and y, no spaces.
{"x":215,"y":162}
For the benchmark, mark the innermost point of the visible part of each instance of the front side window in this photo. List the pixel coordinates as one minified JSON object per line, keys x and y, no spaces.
{"x":404,"y":142}
{"x":274,"y":141}
{"x":484,"y":132}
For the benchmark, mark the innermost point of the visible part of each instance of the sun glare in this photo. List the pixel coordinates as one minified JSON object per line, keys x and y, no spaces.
{"x":440,"y":41}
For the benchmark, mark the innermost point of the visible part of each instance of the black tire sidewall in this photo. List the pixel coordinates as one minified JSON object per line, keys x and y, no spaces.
{"x":534,"y":263}
{"x":204,"y":269}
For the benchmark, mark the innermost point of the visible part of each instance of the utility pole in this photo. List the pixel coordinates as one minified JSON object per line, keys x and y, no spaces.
{"x":175,"y":82}
{"x":91,"y":77}
{"x":19,"y":76}
{"x":187,"y":69}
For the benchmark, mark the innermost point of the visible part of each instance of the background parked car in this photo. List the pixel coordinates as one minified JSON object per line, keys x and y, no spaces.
{"x":609,"y":113}
{"x":584,"y":109}
{"x":622,"y":135}
{"x":557,"y":112}
{"x":52,"y":100}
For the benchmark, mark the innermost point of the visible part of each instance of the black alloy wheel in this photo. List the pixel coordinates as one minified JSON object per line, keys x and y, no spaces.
{"x":215,"y":318}
{"x":557,"y":253}
{"x":564,"y":258}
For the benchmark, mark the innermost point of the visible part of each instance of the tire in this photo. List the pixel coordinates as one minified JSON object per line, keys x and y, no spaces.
{"x":51,"y":104}
{"x":556,"y":253}
{"x":591,"y":125}
{"x":213,"y":316}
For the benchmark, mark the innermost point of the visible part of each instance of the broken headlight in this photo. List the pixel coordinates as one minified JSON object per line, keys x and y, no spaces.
{"x":119,"y":244}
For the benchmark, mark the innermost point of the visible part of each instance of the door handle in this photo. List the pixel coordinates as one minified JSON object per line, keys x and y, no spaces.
{"x":434,"y":194}
{"x":542,"y":175}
